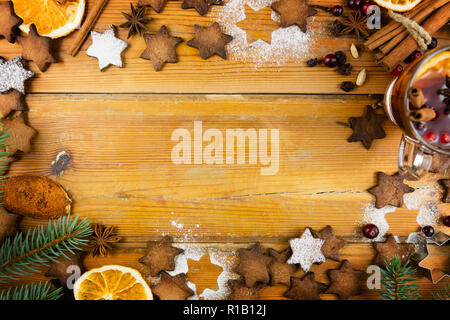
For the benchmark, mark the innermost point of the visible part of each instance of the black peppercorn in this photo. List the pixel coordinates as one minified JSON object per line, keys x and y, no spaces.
{"x":341,"y":57}
{"x":345,"y":69}
{"x":313,"y":62}
{"x":348,"y":86}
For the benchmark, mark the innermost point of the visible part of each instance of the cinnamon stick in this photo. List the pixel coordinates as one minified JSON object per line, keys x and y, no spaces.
{"x":392,"y":29}
{"x":86,"y":27}
{"x":408,"y":45}
{"x":424,"y":114}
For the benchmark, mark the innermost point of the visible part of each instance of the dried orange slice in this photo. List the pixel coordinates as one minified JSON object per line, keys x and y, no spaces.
{"x":112,"y":282}
{"x":398,"y":5}
{"x":50,"y":18}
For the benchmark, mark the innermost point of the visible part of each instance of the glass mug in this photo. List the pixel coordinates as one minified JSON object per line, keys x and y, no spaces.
{"x":420,"y":140}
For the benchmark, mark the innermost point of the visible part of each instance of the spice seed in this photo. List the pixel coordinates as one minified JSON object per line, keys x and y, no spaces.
{"x":354,"y":51}
{"x":361,"y":79}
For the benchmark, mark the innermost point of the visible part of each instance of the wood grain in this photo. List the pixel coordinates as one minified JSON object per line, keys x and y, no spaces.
{"x":194,"y":75}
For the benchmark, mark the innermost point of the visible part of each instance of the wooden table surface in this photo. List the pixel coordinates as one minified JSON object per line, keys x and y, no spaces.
{"x":117,"y":126}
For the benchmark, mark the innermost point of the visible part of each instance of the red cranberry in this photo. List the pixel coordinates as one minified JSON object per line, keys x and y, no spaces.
{"x":413,"y":56}
{"x":433,"y":44}
{"x":445,"y":137}
{"x":428,"y":231}
{"x":365,"y":7}
{"x":337,"y":11}
{"x":370,"y":231}
{"x":330,"y":60}
{"x":354,"y":4}
{"x":446,"y":221}
{"x":397,"y":70}
{"x":430,"y":136}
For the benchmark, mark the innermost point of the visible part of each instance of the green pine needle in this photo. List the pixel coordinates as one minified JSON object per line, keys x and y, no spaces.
{"x":40,"y":246}
{"x":33,"y":291}
{"x":396,"y":282}
{"x":4,"y":162}
{"x":443,"y":293}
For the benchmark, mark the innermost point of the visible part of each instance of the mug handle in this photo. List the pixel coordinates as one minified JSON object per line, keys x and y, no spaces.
{"x":413,"y":158}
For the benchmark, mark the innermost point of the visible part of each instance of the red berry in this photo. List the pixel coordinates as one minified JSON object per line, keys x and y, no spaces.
{"x":445,"y":137}
{"x":354,"y":4}
{"x":428,"y":231}
{"x":330,"y":60}
{"x":370,"y":231}
{"x":446,"y":221}
{"x":397,"y":70}
{"x":365,"y":7}
{"x":413,"y":56}
{"x":430,"y":136}
{"x":337,"y":11}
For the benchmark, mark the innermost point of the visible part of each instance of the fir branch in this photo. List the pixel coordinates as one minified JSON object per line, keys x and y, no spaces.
{"x":4,"y":161}
{"x":396,"y":282}
{"x":443,"y":293}
{"x":33,"y":291}
{"x":23,"y":254}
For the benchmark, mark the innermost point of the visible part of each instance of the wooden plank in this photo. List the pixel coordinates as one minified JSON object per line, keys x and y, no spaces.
{"x":360,"y":256}
{"x":194,"y":75}
{"x":123,"y":175}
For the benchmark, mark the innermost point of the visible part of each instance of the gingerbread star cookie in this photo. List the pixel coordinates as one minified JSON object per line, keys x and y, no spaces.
{"x":387,"y":251}
{"x":161,"y":48}
{"x":446,"y":184}
{"x":20,"y":134}
{"x":172,"y":288}
{"x":293,"y":12}
{"x":368,"y":127}
{"x":332,"y":244}
{"x":156,"y":5}
{"x":345,"y":281}
{"x":305,"y":288}
{"x":9,"y":22}
{"x":306,"y":250}
{"x":239,"y":291}
{"x":202,"y":6}
{"x":13,"y":75}
{"x":281,"y":272}
{"x":11,"y":100}
{"x":210,"y":40}
{"x":390,"y":190}
{"x":253,"y":265}
{"x":36,"y":48}
{"x":160,"y":256}
{"x":9,"y":223}
{"x":65,"y":267}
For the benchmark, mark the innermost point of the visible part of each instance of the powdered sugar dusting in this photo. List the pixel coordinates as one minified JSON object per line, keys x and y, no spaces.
{"x":306,"y":250}
{"x":287,"y":45}
{"x":217,"y":257}
{"x":375,"y":216}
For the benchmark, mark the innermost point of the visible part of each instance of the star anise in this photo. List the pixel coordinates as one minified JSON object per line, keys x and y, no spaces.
{"x":101,"y":240}
{"x":136,"y":21}
{"x":355,"y":23}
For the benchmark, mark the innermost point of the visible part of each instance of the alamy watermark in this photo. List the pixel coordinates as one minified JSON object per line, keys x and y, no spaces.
{"x":231,"y":146}
{"x":374,"y":19}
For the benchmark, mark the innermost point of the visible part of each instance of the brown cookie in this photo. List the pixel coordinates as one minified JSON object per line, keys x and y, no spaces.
{"x":253,"y":265}
{"x":305,"y":288}
{"x":368,"y":127}
{"x":9,"y":222}
{"x":446,"y":184}
{"x":293,"y":12}
{"x":332,"y":244}
{"x":240,"y":291}
{"x":345,"y":281}
{"x":210,"y":40}
{"x":20,"y":134}
{"x":11,"y":100}
{"x":160,"y":256}
{"x":440,"y":164}
{"x":202,"y":6}
{"x":391,"y":248}
{"x":36,"y":48}
{"x":156,"y":5}
{"x":390,"y":190}
{"x":65,"y":268}
{"x":161,"y":48}
{"x":9,"y":22}
{"x":281,"y":272}
{"x":172,"y":288}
